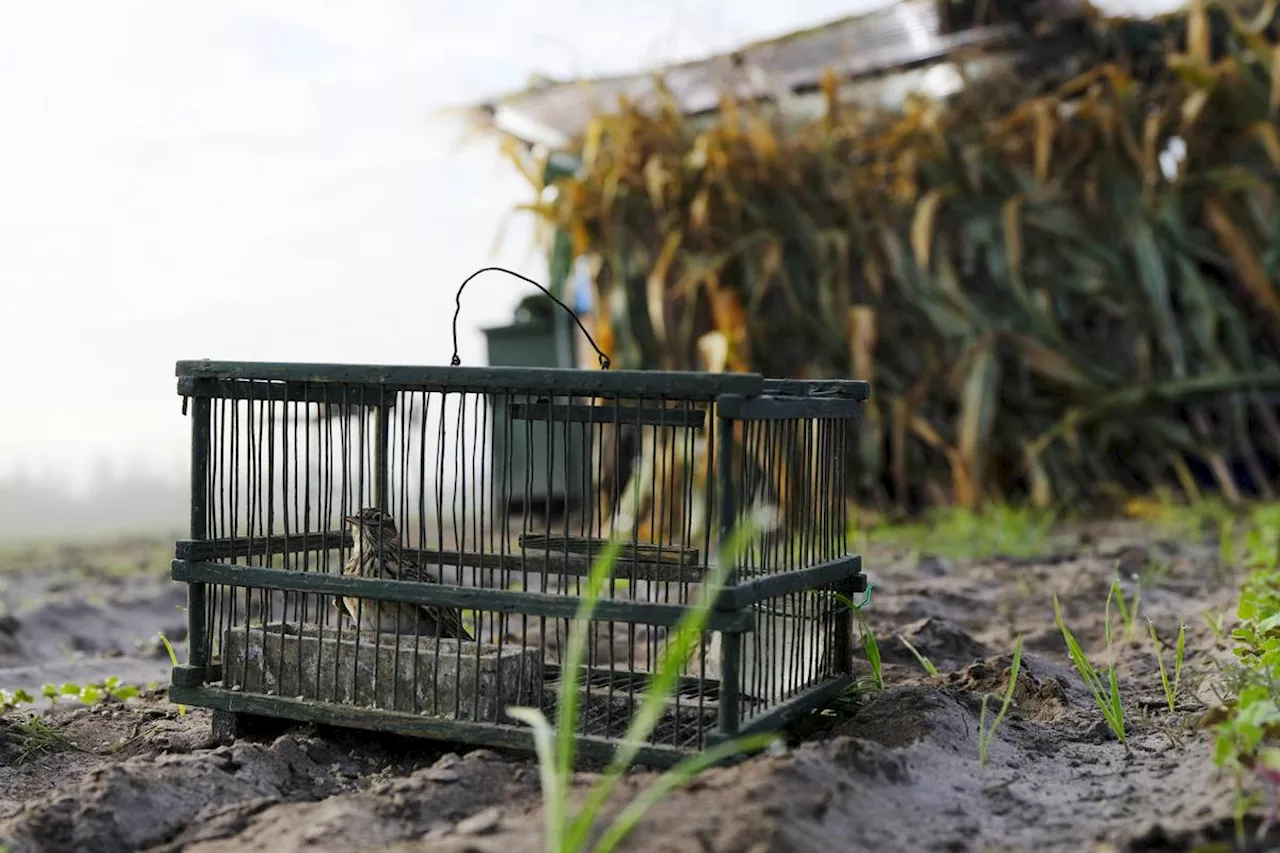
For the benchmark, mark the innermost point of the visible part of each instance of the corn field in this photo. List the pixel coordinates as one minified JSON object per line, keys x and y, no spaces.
{"x":1067,"y":297}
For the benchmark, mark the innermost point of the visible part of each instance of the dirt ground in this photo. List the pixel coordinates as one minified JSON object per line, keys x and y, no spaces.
{"x":895,"y":771}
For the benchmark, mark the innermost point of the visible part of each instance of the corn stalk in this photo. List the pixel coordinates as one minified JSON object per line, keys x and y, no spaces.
{"x":1047,"y":304}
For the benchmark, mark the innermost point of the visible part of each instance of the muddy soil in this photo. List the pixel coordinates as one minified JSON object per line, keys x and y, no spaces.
{"x":893,"y":770}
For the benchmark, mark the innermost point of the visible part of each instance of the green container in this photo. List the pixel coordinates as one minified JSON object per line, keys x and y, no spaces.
{"x":541,"y":336}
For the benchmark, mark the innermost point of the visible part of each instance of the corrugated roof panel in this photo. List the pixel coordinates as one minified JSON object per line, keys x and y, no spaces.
{"x":897,"y":36}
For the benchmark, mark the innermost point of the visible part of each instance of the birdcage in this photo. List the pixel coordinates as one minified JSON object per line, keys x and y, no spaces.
{"x":293,"y":465}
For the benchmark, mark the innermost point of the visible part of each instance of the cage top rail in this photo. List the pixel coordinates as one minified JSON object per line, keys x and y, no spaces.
{"x":532,"y":379}
{"x":839,"y":389}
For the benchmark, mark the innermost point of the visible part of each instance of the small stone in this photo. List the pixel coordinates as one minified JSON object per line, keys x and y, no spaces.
{"x":1132,"y":560}
{"x":933,"y":566}
{"x":442,"y":774}
{"x":447,"y":760}
{"x":480,"y":754}
{"x":481,"y":823}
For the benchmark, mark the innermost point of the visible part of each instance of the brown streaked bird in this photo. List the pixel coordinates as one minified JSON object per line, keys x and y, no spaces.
{"x":377,"y":554}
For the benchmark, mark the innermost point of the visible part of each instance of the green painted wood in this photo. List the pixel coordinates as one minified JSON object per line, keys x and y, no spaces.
{"x":740,"y":408}
{"x":648,"y":383}
{"x":609,"y":413}
{"x":780,"y":716}
{"x":730,"y":644}
{"x":197,"y":594}
{"x":842,"y":648}
{"x":849,"y":389}
{"x":296,"y":543}
{"x":185,"y":675}
{"x":413,"y":725}
{"x":349,"y":396}
{"x":465,"y":597}
{"x":822,"y":576}
{"x":647,"y":551}
{"x":644,"y":563}
{"x":571,"y":565}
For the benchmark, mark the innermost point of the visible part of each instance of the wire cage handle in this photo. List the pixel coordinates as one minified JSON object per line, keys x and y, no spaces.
{"x":455,"y":361}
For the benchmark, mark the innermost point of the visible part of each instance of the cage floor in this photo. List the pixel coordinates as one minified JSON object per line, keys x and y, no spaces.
{"x":608,"y":702}
{"x":453,"y":681}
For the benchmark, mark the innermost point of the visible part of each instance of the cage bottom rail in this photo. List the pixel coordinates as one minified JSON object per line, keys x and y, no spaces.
{"x":496,"y":735}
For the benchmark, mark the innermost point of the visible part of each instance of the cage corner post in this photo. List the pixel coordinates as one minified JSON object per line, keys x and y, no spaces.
{"x":198,"y":648}
{"x":842,"y":642}
{"x":730,"y":641}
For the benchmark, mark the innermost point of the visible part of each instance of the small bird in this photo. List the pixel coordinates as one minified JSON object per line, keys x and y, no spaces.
{"x":377,"y":554}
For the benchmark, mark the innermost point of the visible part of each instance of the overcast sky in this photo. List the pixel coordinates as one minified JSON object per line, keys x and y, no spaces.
{"x":268,"y":179}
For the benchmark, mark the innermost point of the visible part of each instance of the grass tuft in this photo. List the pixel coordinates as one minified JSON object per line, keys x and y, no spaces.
{"x":173,"y":658}
{"x":1128,"y":613}
{"x":1179,"y":651}
{"x":869,"y":644}
{"x":1105,"y":693}
{"x":987,"y":735}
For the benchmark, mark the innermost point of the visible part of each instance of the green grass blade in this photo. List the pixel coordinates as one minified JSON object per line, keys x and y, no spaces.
{"x":873,"y":652}
{"x":1179,"y":653}
{"x":1107,"y":696}
{"x":662,"y":683}
{"x":869,"y":645}
{"x":924,"y":661}
{"x":985,"y":735}
{"x":1169,"y":690}
{"x":553,"y":783}
{"x":173,"y":657}
{"x":575,"y":651}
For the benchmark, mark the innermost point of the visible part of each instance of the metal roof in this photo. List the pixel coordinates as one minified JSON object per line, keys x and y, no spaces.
{"x":905,"y":35}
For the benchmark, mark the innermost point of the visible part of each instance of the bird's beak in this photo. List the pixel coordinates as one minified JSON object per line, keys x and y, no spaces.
{"x":352,"y":519}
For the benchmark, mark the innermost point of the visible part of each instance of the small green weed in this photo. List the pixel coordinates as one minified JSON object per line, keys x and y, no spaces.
{"x":924,"y":661}
{"x":90,"y":694}
{"x":985,"y":734}
{"x":173,"y":657}
{"x":1128,"y":613}
{"x":1106,"y":694}
{"x":1216,"y":623}
{"x":16,"y":699}
{"x":1246,"y":739}
{"x":869,"y":645}
{"x":35,"y":736}
{"x":1179,"y":651}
